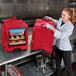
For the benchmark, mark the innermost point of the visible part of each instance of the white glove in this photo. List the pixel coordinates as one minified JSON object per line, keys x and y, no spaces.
{"x":48,"y":26}
{"x":48,"y":18}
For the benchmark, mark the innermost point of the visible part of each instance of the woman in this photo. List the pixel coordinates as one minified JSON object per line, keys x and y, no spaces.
{"x":62,"y":33}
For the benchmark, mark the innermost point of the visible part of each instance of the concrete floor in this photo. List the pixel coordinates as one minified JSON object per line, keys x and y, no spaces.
{"x":63,"y":73}
{"x":30,"y":69}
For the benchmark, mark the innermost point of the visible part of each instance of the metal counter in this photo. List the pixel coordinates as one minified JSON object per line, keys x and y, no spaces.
{"x":8,"y":57}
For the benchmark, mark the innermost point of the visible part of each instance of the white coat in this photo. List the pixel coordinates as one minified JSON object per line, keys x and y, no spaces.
{"x":62,"y":35}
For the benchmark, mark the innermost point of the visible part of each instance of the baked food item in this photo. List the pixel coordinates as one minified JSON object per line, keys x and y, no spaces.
{"x":12,"y":42}
{"x":17,"y":37}
{"x":12,"y":37}
{"x":20,"y":41}
{"x":22,"y":36}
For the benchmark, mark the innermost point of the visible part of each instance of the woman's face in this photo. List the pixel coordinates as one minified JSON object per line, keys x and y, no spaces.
{"x":65,"y":16}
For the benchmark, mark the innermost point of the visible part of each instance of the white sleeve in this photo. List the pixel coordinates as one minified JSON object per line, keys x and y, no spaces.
{"x":55,"y":21}
{"x":65,"y":34}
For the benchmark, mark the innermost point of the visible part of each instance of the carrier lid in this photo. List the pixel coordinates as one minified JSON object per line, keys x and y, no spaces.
{"x":13,"y":23}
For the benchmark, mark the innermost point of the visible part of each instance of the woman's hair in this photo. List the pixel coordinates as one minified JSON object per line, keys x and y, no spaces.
{"x":70,"y":12}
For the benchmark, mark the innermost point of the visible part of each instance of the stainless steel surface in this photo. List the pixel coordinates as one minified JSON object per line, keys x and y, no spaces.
{"x":31,"y":8}
{"x":61,"y":4}
{"x":5,"y":70}
{"x":8,"y":57}
{"x":73,"y":36}
{"x":18,"y":8}
{"x":39,"y":8}
{"x":56,"y":6}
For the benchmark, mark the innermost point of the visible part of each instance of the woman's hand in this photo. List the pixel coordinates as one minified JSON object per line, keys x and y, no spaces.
{"x":48,"y":26}
{"x":48,"y":18}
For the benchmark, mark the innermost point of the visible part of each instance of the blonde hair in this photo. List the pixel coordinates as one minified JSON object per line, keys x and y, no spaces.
{"x":70,"y":12}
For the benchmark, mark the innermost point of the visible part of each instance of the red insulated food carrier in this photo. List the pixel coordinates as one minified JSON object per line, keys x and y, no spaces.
{"x":42,"y":38}
{"x":14,"y":34}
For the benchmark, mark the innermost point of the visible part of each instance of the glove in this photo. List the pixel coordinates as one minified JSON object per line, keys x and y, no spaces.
{"x":48,"y":18}
{"x":48,"y":26}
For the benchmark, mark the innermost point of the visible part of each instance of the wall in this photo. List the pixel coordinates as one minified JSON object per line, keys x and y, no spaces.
{"x":31,"y":8}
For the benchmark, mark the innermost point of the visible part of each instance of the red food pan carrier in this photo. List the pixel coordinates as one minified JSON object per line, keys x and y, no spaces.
{"x":14,"y":34}
{"x":42,"y":38}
